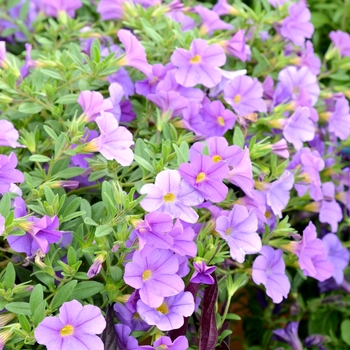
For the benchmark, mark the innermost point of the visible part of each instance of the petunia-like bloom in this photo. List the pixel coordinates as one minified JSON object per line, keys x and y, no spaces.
{"x":126,"y":341}
{"x":92,"y":103}
{"x":339,"y":120}
{"x":308,"y":58}
{"x":199,"y":65}
{"x":277,"y":3}
{"x":330,"y":210}
{"x":206,"y":177}
{"x":54,"y":7}
{"x":341,"y":41}
{"x":297,"y":27}
{"x":135,"y":55}
{"x":169,"y":102}
{"x":8,"y":134}
{"x":180,"y":343}
{"x":202,"y":273}
{"x":293,"y":79}
{"x":170,"y":194}
{"x":8,"y":174}
{"x":154,"y":275}
{"x":75,"y":328}
{"x":222,"y":7}
{"x":236,"y":46}
{"x":299,"y":128}
{"x":116,"y":93}
{"x":114,"y":142}
{"x":244,"y":95}
{"x":210,"y":21}
{"x":170,"y":314}
{"x":280,"y":148}
{"x":269,"y":269}
{"x":111,"y":9}
{"x":289,"y":335}
{"x":238,"y":229}
{"x":337,"y":255}
{"x":40,"y":234}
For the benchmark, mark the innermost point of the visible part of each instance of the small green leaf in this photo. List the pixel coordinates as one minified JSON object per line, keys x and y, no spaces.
{"x":103,"y":230}
{"x":39,"y":313}
{"x":51,"y":74}
{"x":63,"y":294}
{"x":30,"y":108}
{"x":68,"y":99}
{"x":238,"y":137}
{"x":345,"y":331}
{"x":36,"y":298}
{"x":38,"y":158}
{"x":19,"y":308}
{"x":69,"y":173}
{"x":10,"y":276}
{"x":24,"y":323}
{"x":143,"y":163}
{"x":86,"y":289}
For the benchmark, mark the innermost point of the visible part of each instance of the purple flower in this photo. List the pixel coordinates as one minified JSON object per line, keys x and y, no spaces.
{"x":3,"y":57}
{"x":75,"y":328}
{"x":135,"y":55}
{"x":299,"y":128}
{"x":289,"y":335}
{"x":170,"y":194}
{"x":330,"y":210}
{"x":337,"y":255}
{"x":170,"y":314}
{"x":187,"y":23}
{"x":293,"y":79}
{"x":341,"y":41}
{"x":165,"y":343}
{"x":8,"y":134}
{"x":210,"y":21}
{"x":309,"y":59}
{"x":54,"y":7}
{"x":277,"y":3}
{"x":122,"y":78}
{"x":199,"y":65}
{"x":222,"y":7}
{"x":238,"y":229}
{"x":280,"y":148}
{"x":149,"y":85}
{"x":8,"y":174}
{"x":236,"y":46}
{"x":169,"y":102}
{"x":96,"y":266}
{"x":339,"y":121}
{"x":269,"y":270}
{"x":206,"y":177}
{"x":92,"y":103}
{"x":244,"y":94}
{"x":111,"y":9}
{"x":29,"y":63}
{"x":116,"y":93}
{"x":126,"y":341}
{"x":40,"y":233}
{"x":202,"y":273}
{"x":297,"y":26}
{"x":154,"y":275}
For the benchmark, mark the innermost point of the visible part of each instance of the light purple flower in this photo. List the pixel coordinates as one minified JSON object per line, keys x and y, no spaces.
{"x":170,"y":314}
{"x":126,"y":341}
{"x":29,"y":63}
{"x":339,"y":121}
{"x":297,"y":26}
{"x":222,"y":7}
{"x":280,"y":148}
{"x":206,"y":177}
{"x":165,"y":343}
{"x":239,"y":231}
{"x":202,"y":273}
{"x":75,"y":328}
{"x":2,"y":224}
{"x":277,"y":3}
{"x":96,"y":266}
{"x":54,"y":7}
{"x":8,"y":134}
{"x":309,"y":59}
{"x":170,"y":194}
{"x":149,"y":85}
{"x":169,"y":102}
{"x":8,"y":174}
{"x":92,"y":103}
{"x":122,"y":78}
{"x":337,"y":255}
{"x":3,"y":57}
{"x":187,"y":22}
{"x":154,"y":275}
{"x":244,"y":94}
{"x":299,"y":127}
{"x":341,"y":41}
{"x":269,"y":270}
{"x":236,"y":46}
{"x":199,"y":65}
{"x":111,"y":9}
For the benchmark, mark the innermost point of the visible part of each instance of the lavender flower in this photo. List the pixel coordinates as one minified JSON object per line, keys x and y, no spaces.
{"x":111,"y":9}
{"x":53,"y":8}
{"x":126,"y":341}
{"x":199,"y":65}
{"x":339,"y":119}
{"x":244,"y":94}
{"x":170,"y":194}
{"x":170,"y":314}
{"x":180,"y":343}
{"x":236,"y":46}
{"x":341,"y":41}
{"x":8,"y":134}
{"x":8,"y":174}
{"x":170,"y":102}
{"x":92,"y":103}
{"x":269,"y":270}
{"x":239,"y":231}
{"x":297,"y":26}
{"x":202,"y":273}
{"x":3,"y":57}
{"x":289,"y":335}
{"x":222,"y":7}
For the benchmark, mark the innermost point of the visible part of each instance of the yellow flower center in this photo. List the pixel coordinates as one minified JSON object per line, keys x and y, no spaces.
{"x":147,"y":274}
{"x":216,"y":158}
{"x":228,"y":231}
{"x":66,"y":331}
{"x":169,"y":198}
{"x":221,"y":121}
{"x":237,"y":99}
{"x":196,"y":59}
{"x":200,"y":177}
{"x":163,"y":309}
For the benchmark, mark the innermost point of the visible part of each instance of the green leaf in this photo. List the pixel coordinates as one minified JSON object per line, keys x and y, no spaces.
{"x":39,"y":313}
{"x":10,"y":276}
{"x":103,"y":230}
{"x":95,"y":51}
{"x":38,"y":158}
{"x":63,"y":294}
{"x":68,"y":99}
{"x":71,"y":256}
{"x":238,"y":137}
{"x":36,"y":297}
{"x":5,"y":204}
{"x":30,"y":108}
{"x":24,"y":323}
{"x":144,"y":164}
{"x":69,"y":173}
{"x":50,"y":132}
{"x":233,"y":317}
{"x":51,"y":74}
{"x":345,"y":331}
{"x":18,"y":308}
{"x":86,"y":289}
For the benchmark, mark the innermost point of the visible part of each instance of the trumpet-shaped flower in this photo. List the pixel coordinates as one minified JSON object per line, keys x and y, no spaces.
{"x":53,"y":8}
{"x":8,"y":134}
{"x":93,"y":103}
{"x":8,"y":174}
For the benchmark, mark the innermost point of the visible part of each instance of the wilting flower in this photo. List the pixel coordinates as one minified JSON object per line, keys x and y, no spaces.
{"x":93,"y":103}
{"x":269,"y":270}
{"x":76,"y":326}
{"x":8,"y":174}
{"x":199,"y":65}
{"x":96,"y":266}
{"x":289,"y":335}
{"x":238,"y":229}
{"x":202,"y":273}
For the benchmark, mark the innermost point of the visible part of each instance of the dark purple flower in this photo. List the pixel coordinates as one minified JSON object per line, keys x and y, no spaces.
{"x":96,"y":266}
{"x":202,"y":273}
{"x":289,"y":335}
{"x":149,"y":85}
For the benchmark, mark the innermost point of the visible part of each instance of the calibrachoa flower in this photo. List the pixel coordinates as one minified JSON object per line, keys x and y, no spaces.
{"x":170,"y":314}
{"x":126,"y":341}
{"x":238,"y":229}
{"x":170,"y":194}
{"x":199,"y":65}
{"x":244,"y":94}
{"x":111,"y":9}
{"x":3,"y":57}
{"x":180,"y":343}
{"x":289,"y":335}
{"x":53,"y":8}
{"x":154,"y":275}
{"x":75,"y":328}
{"x":206,"y":177}
{"x":339,"y":119}
{"x":341,"y":41}
{"x":8,"y":174}
{"x":236,"y":46}
{"x":202,"y":273}
{"x":169,"y":102}
{"x":269,"y":270}
{"x":8,"y":134}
